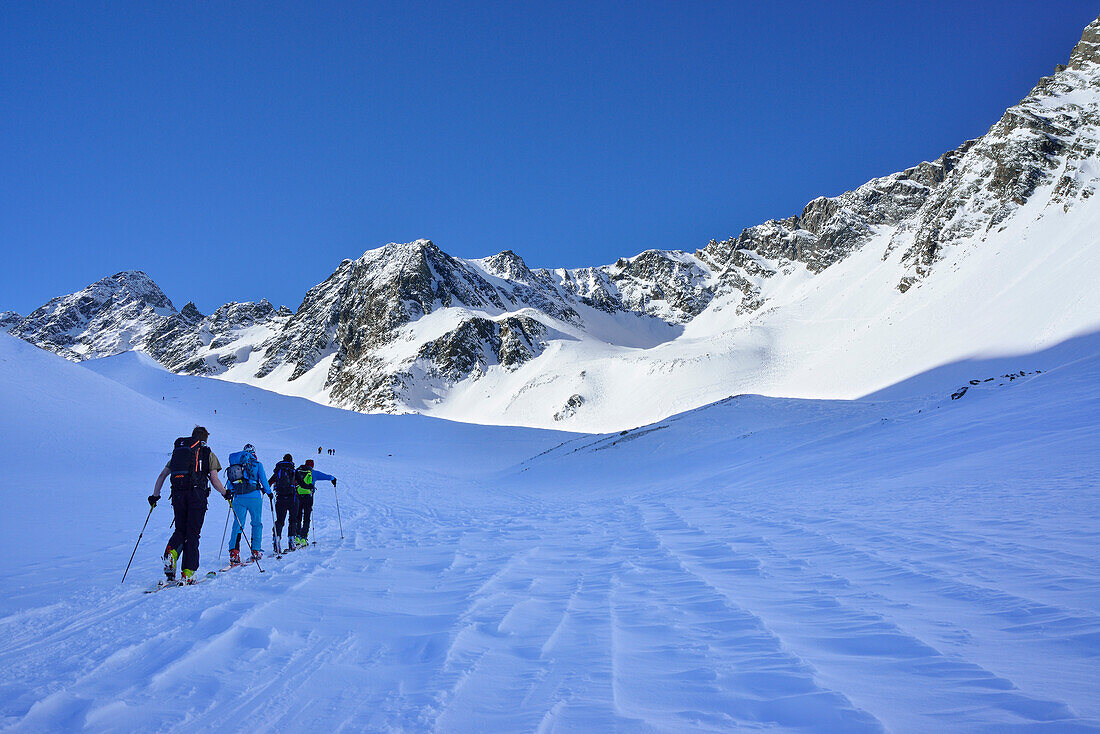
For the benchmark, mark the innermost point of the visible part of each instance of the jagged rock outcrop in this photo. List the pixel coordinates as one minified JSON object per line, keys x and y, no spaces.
{"x":829,"y":229}
{"x":672,"y":286}
{"x":479,"y":343}
{"x":361,"y":306}
{"x":193,"y":344}
{"x":570,"y":408}
{"x":8,"y":319}
{"x":1045,"y":139}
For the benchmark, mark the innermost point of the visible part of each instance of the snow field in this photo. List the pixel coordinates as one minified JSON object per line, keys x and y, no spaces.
{"x":908,"y":565}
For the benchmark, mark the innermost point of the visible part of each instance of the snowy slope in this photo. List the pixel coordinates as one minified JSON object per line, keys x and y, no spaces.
{"x":911,"y":565}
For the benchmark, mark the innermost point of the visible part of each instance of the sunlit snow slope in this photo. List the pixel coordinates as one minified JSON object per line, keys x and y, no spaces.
{"x":909,"y":565}
{"x":843,"y":333}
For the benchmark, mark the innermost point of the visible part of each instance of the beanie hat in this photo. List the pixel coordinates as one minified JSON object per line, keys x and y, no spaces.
{"x":288,"y":457}
{"x":309,"y":463}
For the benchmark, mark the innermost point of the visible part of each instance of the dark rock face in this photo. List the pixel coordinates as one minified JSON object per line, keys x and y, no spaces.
{"x":360,"y":306}
{"x":570,"y":408}
{"x":193,"y":344}
{"x":671,"y":286}
{"x":174,"y":342}
{"x":661,"y":276}
{"x":9,"y":319}
{"x":1087,"y":50}
{"x":830,"y":229}
{"x":479,"y":343}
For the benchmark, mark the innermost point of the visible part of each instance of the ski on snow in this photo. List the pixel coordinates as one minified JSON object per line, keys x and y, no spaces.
{"x":164,"y":584}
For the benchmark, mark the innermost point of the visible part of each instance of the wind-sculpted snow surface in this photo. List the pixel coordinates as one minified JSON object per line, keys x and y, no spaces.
{"x":795,"y":565}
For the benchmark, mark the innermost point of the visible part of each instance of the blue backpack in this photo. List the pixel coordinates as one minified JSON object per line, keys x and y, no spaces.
{"x":241,"y":473}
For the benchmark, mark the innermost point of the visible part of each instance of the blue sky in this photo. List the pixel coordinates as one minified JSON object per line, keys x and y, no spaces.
{"x":241,"y":150}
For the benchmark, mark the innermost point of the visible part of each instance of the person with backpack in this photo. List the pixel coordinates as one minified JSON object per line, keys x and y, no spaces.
{"x":284,"y":480}
{"x":307,"y":475}
{"x":247,"y":485}
{"x":192,"y":468}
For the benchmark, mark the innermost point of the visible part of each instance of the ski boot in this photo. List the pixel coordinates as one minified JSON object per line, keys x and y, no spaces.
{"x":234,"y":557}
{"x":171,"y":555}
{"x":187,"y":577}
{"x":257,"y":555}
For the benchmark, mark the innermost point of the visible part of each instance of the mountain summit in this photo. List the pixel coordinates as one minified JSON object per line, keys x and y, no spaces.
{"x":989,"y":249}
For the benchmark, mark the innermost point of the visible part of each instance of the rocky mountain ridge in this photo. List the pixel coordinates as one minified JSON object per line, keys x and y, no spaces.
{"x":407,"y":327}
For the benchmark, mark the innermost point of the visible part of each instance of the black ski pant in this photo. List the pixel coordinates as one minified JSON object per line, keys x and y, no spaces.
{"x":190,"y":511}
{"x":284,"y":505}
{"x":302,"y":513}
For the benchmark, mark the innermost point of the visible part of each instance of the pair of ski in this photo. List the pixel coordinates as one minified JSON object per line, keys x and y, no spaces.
{"x":231,"y":566}
{"x":291,"y":549}
{"x":166,"y":584}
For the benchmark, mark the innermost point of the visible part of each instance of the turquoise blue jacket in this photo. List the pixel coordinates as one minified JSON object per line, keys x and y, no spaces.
{"x":254,"y":474}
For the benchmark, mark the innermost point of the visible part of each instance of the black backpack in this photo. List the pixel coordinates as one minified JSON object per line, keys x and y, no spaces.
{"x":190,"y":465}
{"x":285,"y":477}
{"x":305,"y":479}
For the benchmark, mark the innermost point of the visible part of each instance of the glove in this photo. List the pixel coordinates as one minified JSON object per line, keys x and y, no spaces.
{"x":153,"y":500}
{"x":228,"y":498}
{"x":334,"y":482}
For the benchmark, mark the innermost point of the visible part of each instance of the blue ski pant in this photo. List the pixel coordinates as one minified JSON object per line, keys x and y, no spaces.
{"x":252,"y":505}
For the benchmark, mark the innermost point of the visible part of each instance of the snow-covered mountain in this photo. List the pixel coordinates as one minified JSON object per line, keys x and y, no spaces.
{"x":110,"y":316}
{"x":991,"y":248}
{"x":128,"y":311}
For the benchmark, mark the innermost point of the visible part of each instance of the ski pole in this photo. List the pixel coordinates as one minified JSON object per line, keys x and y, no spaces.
{"x":311,"y":532}
{"x":274,"y":537}
{"x":225,"y":530}
{"x":241,"y":526}
{"x":136,"y":544}
{"x":338,"y":518}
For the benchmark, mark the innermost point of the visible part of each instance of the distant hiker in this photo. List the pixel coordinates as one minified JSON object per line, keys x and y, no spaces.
{"x":191,"y":467}
{"x":247,"y":480}
{"x":318,"y":450}
{"x":284,"y":480}
{"x":307,"y":475}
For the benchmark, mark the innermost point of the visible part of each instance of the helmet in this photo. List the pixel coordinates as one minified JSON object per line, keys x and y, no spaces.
{"x":250,"y":448}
